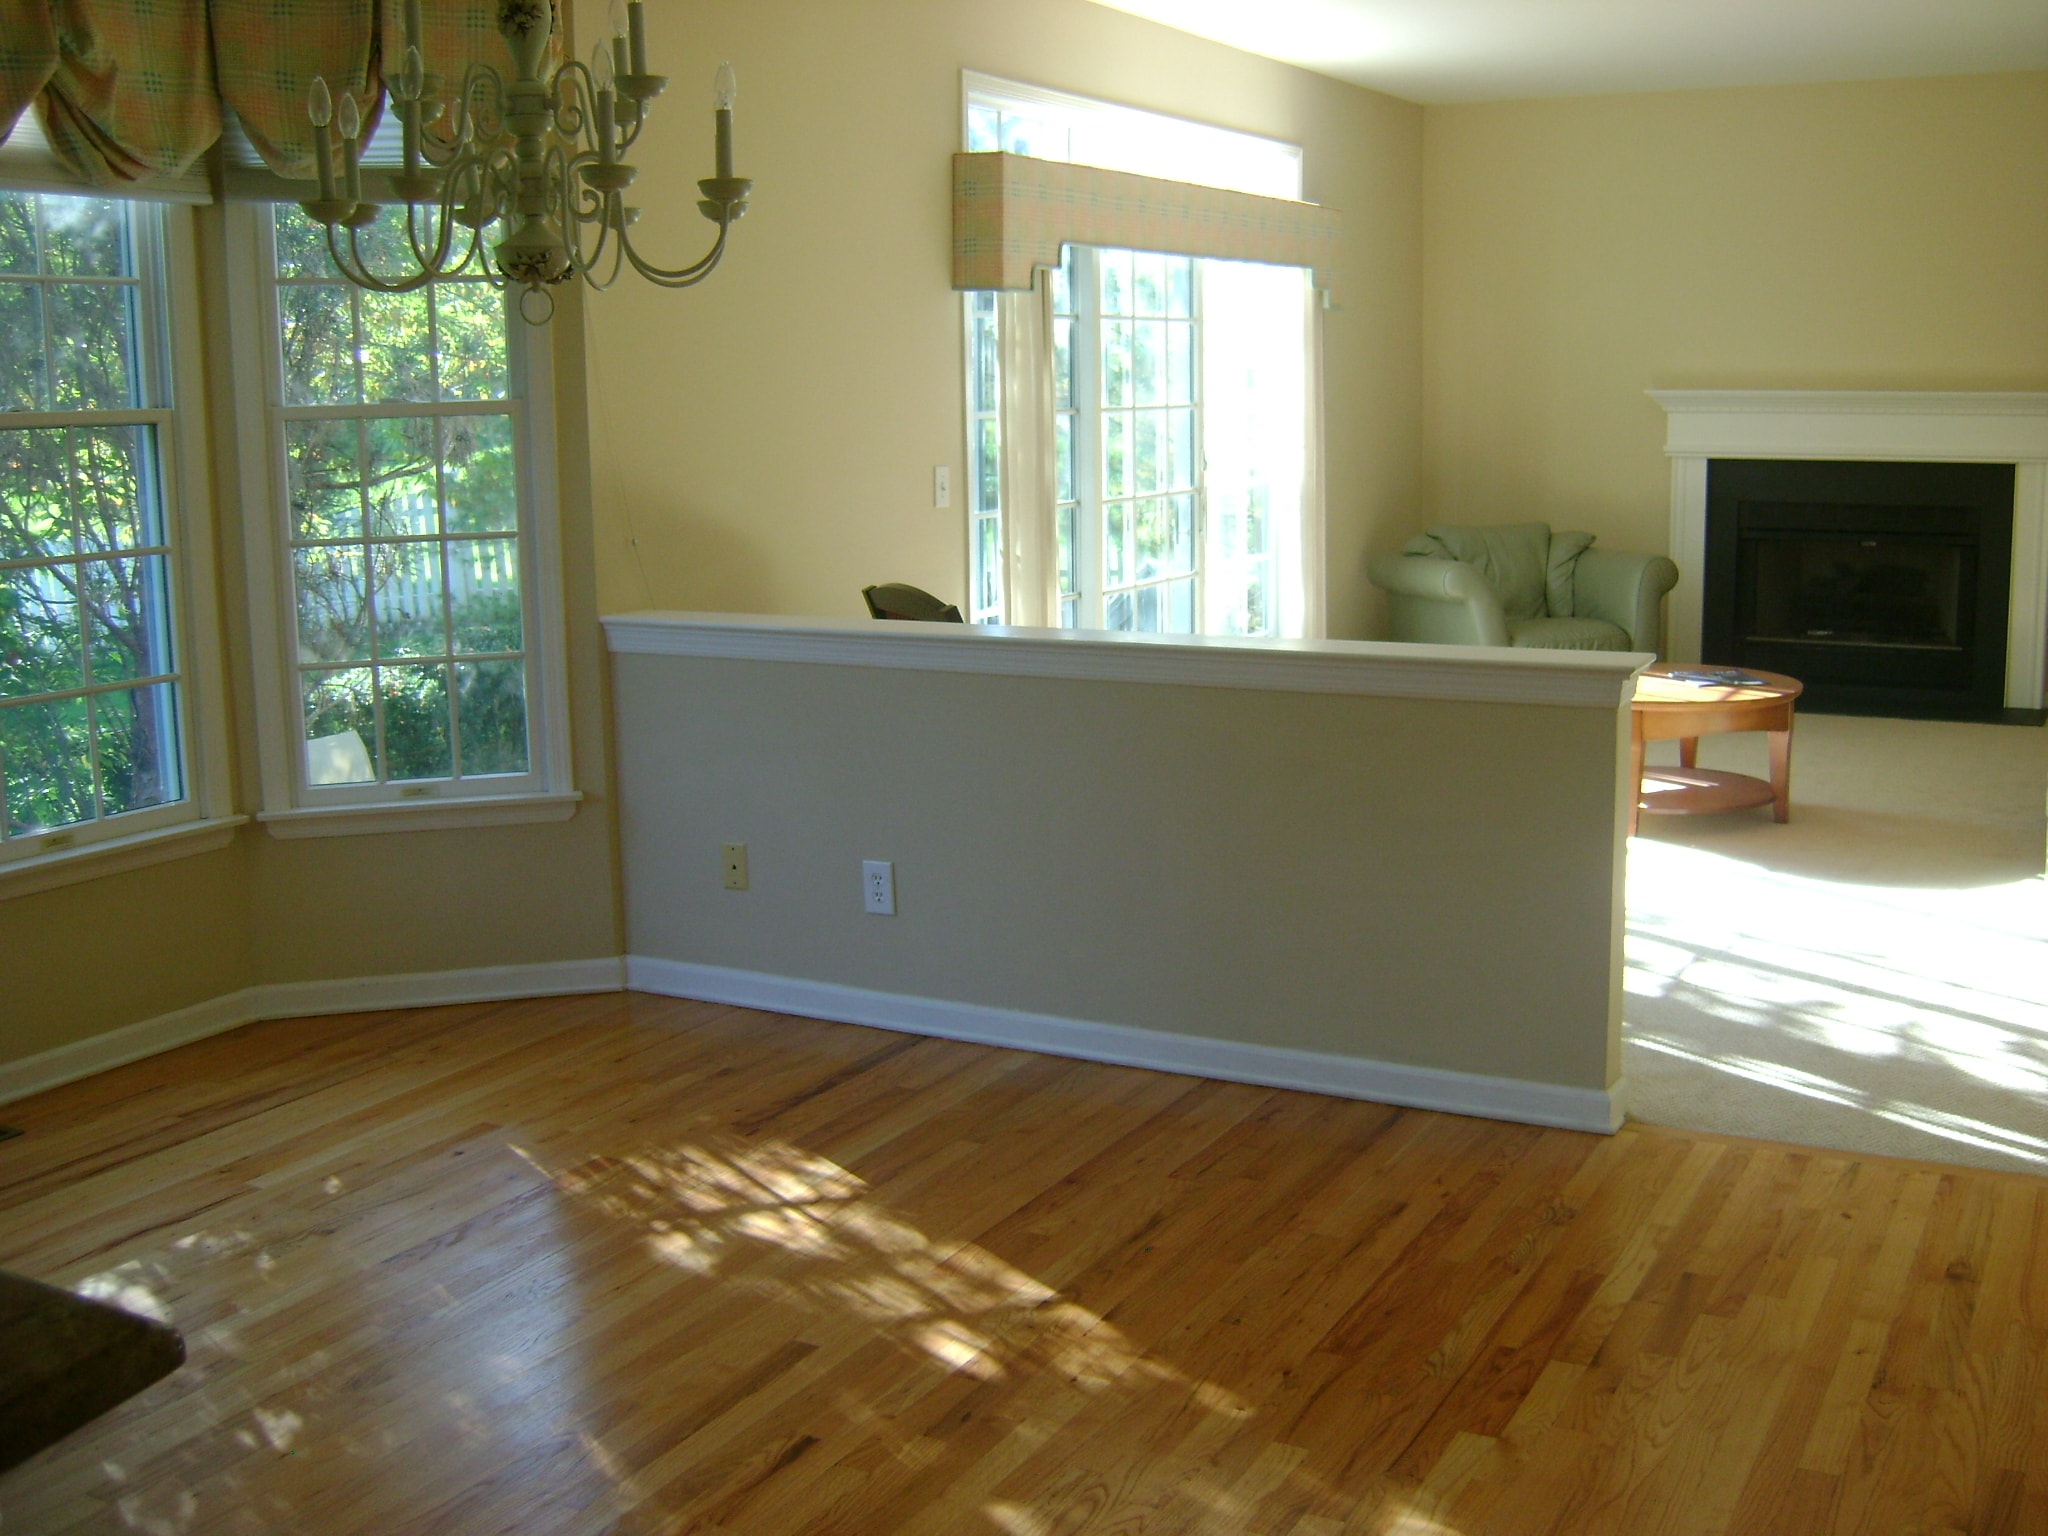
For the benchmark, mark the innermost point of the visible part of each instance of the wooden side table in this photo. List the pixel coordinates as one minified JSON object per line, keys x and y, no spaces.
{"x":1668,"y":710}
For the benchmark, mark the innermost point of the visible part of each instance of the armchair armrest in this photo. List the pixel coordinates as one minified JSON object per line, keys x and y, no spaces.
{"x":1625,"y":589}
{"x":1443,"y":602}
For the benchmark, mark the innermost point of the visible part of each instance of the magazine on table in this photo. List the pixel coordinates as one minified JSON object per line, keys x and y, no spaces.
{"x":1715,"y":677}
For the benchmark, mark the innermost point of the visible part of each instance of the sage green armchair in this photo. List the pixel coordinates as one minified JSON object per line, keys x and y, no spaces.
{"x":1526,"y":586}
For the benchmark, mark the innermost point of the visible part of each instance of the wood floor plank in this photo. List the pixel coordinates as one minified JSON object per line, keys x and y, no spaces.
{"x":626,"y":1265}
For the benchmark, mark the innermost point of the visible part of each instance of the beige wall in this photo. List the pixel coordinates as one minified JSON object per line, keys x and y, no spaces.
{"x":765,"y":442}
{"x":94,"y":956}
{"x":1430,"y":883}
{"x":1889,"y":235}
{"x":325,"y":908}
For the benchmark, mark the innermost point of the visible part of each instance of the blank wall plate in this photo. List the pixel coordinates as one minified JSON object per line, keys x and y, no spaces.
{"x":735,"y":866}
{"x":878,"y":887}
{"x":942,"y":485}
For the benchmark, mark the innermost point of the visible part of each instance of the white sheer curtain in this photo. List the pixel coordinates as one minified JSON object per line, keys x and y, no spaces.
{"x":1031,"y":566}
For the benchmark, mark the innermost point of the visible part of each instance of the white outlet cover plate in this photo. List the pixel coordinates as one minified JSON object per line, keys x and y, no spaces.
{"x":878,"y":887}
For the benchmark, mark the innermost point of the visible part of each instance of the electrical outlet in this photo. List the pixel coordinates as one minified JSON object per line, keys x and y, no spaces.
{"x":878,"y":887}
{"x":942,"y":485}
{"x":735,"y":866}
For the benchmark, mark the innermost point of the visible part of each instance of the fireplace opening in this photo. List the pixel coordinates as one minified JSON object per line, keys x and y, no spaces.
{"x":1882,"y":587}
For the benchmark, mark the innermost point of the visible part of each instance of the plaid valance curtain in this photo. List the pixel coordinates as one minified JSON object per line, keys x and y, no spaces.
{"x":1013,"y":214}
{"x":125,"y":92}
{"x":132,"y":91}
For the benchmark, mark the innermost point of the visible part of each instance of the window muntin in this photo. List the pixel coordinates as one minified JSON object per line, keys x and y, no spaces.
{"x":1143,"y":436}
{"x":407,"y":529}
{"x":92,"y":691}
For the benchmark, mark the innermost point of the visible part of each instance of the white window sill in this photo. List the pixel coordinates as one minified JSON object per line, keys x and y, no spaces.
{"x":420,"y":815}
{"x":92,"y":860}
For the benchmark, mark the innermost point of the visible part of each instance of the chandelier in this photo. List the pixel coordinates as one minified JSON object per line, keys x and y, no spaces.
{"x":539,"y":159}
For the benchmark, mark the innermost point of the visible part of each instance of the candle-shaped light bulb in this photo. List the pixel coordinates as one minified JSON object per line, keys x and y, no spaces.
{"x":636,"y":33}
{"x":621,"y":55}
{"x":724,"y":90}
{"x":348,"y":119}
{"x":412,"y":78}
{"x":320,"y":109}
{"x":603,"y":68}
{"x":616,"y":19}
{"x":607,"y":107}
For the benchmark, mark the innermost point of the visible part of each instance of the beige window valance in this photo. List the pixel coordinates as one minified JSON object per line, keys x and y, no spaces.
{"x":1013,"y":214}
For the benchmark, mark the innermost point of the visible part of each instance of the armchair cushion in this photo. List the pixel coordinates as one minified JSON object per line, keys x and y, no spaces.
{"x":1514,"y":559}
{"x":1568,"y":635}
{"x":1565,"y":549}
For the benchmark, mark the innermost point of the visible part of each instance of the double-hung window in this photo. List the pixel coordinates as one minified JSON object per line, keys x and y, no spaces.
{"x":1180,"y":440}
{"x":408,"y":541}
{"x":97,"y":728}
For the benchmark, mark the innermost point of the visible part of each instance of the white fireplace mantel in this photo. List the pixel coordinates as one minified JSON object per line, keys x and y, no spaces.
{"x":1903,"y":426}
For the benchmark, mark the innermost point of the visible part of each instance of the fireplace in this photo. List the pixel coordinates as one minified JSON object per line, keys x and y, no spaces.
{"x":1919,"y":563}
{"x":1883,"y":587}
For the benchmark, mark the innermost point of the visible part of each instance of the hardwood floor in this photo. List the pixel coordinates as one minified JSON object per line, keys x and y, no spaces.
{"x":626,"y":1264}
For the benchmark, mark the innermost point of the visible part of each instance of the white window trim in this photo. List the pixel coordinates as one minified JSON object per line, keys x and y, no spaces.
{"x":205,"y":819}
{"x":284,"y":810}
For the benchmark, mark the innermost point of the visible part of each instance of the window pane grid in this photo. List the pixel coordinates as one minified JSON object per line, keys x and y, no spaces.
{"x":1150,"y":482}
{"x":90,"y":685}
{"x":404,"y":530}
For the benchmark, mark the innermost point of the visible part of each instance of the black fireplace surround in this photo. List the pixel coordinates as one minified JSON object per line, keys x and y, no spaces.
{"x":1882,"y":587}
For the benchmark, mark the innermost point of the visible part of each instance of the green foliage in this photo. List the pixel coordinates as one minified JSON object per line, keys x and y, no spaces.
{"x":86,"y":604}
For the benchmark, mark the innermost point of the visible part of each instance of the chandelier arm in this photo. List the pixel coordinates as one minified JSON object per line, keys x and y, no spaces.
{"x":358,"y":270}
{"x":586,"y":265}
{"x":480,"y":84}
{"x":618,"y":258}
{"x":412,"y":231}
{"x":568,"y":97}
{"x":681,"y":277}
{"x":436,"y":266}
{"x":351,"y":267}
{"x":581,"y":202}
{"x":631,"y":136}
{"x":498,"y":182}
{"x":483,"y":102}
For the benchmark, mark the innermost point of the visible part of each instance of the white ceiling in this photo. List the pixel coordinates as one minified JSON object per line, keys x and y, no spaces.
{"x":1493,"y":50}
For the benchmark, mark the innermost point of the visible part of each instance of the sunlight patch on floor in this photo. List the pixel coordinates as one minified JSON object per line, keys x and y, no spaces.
{"x":720,"y":1206}
{"x":1915,"y":1007}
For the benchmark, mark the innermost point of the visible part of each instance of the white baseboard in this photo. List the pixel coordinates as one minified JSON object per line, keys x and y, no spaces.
{"x":1272,"y":1066}
{"x":118,"y":1047}
{"x":427,"y":989}
{"x":290,"y":1000}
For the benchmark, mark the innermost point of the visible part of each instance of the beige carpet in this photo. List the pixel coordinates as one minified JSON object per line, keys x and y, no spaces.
{"x":1872,"y":976}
